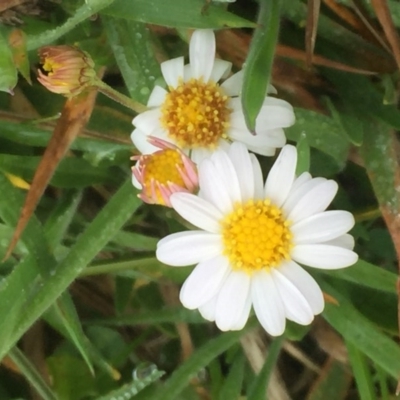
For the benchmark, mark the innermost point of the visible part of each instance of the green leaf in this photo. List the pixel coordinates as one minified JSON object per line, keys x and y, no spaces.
{"x":362,"y":374}
{"x":130,"y":390}
{"x":29,"y":371}
{"x":366,"y":274}
{"x":31,"y":135}
{"x":258,"y":390}
{"x":303,"y":155}
{"x":166,"y":316}
{"x":131,"y":45}
{"x":71,"y":377}
{"x":333,"y":383}
{"x":59,"y":220}
{"x":350,"y":125}
{"x":176,"y":14}
{"x":360,"y":332}
{"x":70,"y":173}
{"x":96,"y":236}
{"x":259,"y":62}
{"x":379,"y":155}
{"x":232,"y":386}
{"x":85,"y":11}
{"x":323,"y":133}
{"x":8,"y":71}
{"x":64,"y":318}
{"x":198,"y":360}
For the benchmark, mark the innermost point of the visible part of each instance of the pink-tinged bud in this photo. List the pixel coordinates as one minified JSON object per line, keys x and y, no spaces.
{"x":65,"y":69}
{"x":163,"y":173}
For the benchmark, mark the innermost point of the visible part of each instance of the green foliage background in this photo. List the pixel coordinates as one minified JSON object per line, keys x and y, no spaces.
{"x":84,"y":275}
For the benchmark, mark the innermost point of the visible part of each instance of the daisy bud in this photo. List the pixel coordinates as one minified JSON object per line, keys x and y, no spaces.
{"x":65,"y":69}
{"x":163,"y":173}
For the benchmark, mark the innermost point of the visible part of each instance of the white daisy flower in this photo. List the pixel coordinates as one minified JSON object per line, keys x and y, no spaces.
{"x":199,"y":115}
{"x":251,"y":238}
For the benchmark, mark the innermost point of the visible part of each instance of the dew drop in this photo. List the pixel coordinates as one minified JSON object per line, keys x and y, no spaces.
{"x":143,"y":370}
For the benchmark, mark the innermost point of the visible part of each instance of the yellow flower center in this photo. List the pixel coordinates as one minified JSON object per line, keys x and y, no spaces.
{"x":195,"y":114}
{"x":49,"y":66}
{"x":256,"y":236}
{"x":162,"y":167}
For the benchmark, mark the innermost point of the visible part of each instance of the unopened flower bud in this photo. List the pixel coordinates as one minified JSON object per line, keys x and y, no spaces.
{"x":65,"y":69}
{"x":163,"y":173}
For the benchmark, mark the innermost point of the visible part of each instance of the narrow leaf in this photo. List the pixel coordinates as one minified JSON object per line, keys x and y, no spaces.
{"x":31,"y":374}
{"x":362,"y":333}
{"x":8,"y":71}
{"x":109,"y":221}
{"x":198,"y":360}
{"x":131,"y":45}
{"x":257,"y":72}
{"x":258,"y":390}
{"x":361,"y":372}
{"x":177,"y":14}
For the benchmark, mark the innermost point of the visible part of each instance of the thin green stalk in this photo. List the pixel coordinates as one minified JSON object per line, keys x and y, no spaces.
{"x":31,"y":374}
{"x":115,"y":267}
{"x":361,"y":372}
{"x":119,"y":97}
{"x":88,"y":8}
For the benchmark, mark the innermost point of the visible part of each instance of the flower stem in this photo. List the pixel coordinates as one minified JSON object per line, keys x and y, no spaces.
{"x":119,"y":97}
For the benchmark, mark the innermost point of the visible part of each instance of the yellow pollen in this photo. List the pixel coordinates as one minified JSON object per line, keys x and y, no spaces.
{"x":161,"y":167}
{"x":195,"y":114}
{"x":256,"y":236}
{"x":49,"y":66}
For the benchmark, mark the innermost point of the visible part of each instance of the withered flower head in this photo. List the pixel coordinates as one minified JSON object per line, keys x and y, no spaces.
{"x":65,"y":69}
{"x":166,"y":171}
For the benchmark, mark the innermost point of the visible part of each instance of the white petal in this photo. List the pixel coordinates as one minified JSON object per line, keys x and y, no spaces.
{"x":148,"y":121}
{"x":220,"y":69}
{"x":262,"y":151}
{"x":258,"y":178}
{"x":346,"y":241}
{"x":323,"y":256}
{"x":213,"y":187}
{"x":157,"y":97}
{"x":259,"y":143}
{"x":271,"y":89}
{"x":188,"y":248}
{"x":322,"y":227}
{"x":207,"y":310}
{"x":300,"y":180}
{"x":225,"y":168}
{"x":235,"y":104}
{"x":241,"y":321}
{"x":305,"y":283}
{"x":296,"y":306}
{"x":299,"y":190}
{"x":204,"y":282}
{"x":267,"y":303}
{"x":172,"y":71}
{"x":187,"y":73}
{"x":244,"y":169}
{"x":280,"y":178}
{"x":135,"y":182}
{"x":202,"y":53}
{"x":314,"y":201}
{"x":232,"y":300}
{"x":198,"y":155}
{"x":224,"y":145}
{"x":197,"y":211}
{"x":140,"y":140}
{"x":275,"y":113}
{"x":233,"y":85}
